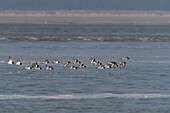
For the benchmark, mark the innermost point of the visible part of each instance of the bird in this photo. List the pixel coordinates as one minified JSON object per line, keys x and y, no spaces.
{"x":101,"y":67}
{"x":49,"y":67}
{"x":125,"y":58}
{"x":76,"y":61}
{"x":82,"y":66}
{"x":56,"y":61}
{"x":27,"y":68}
{"x":73,"y":67}
{"x":18,"y":63}
{"x":10,"y":61}
{"x":95,"y":62}
{"x":35,"y":66}
{"x":122,"y":64}
{"x":46,"y":61}
{"x":113,"y":64}
{"x":66,"y":63}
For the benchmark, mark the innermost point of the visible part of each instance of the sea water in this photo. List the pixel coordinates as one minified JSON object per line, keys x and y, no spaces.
{"x":142,"y":86}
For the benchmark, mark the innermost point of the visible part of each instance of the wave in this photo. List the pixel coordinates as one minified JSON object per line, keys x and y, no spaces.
{"x":70,"y":38}
{"x":86,"y":96}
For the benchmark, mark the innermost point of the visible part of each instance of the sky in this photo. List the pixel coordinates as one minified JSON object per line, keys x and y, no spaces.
{"x":85,"y":5}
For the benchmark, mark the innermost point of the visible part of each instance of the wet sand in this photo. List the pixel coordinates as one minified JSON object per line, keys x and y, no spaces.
{"x":86,"y":17}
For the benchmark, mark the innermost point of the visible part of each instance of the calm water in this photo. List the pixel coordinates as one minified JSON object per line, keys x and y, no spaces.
{"x":142,"y":86}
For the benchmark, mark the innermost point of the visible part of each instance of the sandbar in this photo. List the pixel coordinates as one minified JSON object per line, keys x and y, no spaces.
{"x":86,"y":17}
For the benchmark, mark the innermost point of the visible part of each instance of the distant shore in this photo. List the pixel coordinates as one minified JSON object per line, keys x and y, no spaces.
{"x":86,"y":17}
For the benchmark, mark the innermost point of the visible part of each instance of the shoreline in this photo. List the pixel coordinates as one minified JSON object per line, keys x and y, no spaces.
{"x":86,"y":17}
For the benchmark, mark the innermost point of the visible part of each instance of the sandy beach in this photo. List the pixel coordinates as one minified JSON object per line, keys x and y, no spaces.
{"x":86,"y":17}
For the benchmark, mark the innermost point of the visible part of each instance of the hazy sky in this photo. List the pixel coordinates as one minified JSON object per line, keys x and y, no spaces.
{"x":85,"y":4}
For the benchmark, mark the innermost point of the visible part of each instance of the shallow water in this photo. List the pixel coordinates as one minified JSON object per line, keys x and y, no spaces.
{"x":142,"y":86}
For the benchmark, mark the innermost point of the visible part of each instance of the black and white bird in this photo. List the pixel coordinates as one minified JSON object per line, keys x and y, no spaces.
{"x":18,"y":63}
{"x":73,"y":67}
{"x":10,"y":61}
{"x":82,"y":66}
{"x":56,"y":61}
{"x":36,"y":66}
{"x":27,"y":68}
{"x":46,"y":61}
{"x":49,"y":67}
{"x":76,"y":61}
{"x":125,"y":58}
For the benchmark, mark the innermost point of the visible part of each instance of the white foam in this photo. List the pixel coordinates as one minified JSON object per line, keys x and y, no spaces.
{"x":86,"y":96}
{"x":1,"y":61}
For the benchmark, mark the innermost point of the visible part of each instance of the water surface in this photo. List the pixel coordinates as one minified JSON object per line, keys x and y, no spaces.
{"x":142,"y":86}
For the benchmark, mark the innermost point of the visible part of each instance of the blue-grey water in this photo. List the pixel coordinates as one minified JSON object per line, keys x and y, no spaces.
{"x":142,"y":86}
